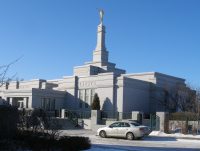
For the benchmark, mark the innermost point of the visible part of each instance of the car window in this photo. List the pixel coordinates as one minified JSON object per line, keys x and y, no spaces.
{"x":126,"y":125}
{"x":123,"y":124}
{"x":135,"y":124}
{"x":115,"y":124}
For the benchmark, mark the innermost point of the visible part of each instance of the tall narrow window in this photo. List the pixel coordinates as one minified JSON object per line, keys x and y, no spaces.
{"x":27,"y":100}
{"x":87,"y":97}
{"x":92,"y":94}
{"x":81,"y":97}
{"x":53,"y":104}
{"x":43,"y":103}
{"x":48,"y":104}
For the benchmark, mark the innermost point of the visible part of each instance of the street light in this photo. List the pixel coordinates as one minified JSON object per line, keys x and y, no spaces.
{"x":198,"y":114}
{"x":198,"y":99}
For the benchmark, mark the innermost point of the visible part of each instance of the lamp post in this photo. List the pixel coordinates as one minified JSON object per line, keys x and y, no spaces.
{"x":198,"y":99}
{"x":198,"y":114}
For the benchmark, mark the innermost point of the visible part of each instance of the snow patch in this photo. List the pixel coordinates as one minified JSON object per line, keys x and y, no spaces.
{"x":176,"y":135}
{"x":103,"y":149}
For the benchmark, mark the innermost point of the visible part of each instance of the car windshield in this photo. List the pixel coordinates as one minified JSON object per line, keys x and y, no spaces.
{"x":135,"y":124}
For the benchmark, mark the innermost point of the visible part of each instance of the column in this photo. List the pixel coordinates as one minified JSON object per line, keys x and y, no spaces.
{"x":30,"y":102}
{"x":63,"y":113}
{"x":137,"y":116}
{"x":95,"y":117}
{"x":11,"y":101}
{"x":163,"y":121}
{"x":25,"y":100}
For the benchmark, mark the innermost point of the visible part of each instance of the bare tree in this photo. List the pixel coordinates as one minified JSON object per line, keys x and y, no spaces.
{"x":4,"y":71}
{"x":181,"y":98}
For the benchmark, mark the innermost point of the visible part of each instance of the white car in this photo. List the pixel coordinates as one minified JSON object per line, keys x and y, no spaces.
{"x":147,"y":129}
{"x":127,"y":130}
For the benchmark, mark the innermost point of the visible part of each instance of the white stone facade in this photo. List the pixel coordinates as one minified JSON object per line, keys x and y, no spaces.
{"x":118,"y":91}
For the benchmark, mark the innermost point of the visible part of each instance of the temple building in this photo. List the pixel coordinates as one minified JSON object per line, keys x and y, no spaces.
{"x":117,"y":90}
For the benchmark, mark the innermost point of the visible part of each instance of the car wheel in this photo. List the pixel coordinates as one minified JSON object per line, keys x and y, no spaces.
{"x":102,"y":134}
{"x":130,"y":136}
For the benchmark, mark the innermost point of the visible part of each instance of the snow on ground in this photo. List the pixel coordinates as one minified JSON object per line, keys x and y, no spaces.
{"x":103,"y":149}
{"x":156,"y":141}
{"x":176,"y":135}
{"x":138,"y":149}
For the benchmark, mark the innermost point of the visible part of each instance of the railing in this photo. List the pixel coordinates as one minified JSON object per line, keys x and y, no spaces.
{"x":126,"y":115}
{"x":116,"y":115}
{"x":80,"y":114}
{"x":84,"y":114}
{"x":109,"y":115}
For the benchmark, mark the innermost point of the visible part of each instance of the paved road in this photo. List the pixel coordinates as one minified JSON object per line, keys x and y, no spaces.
{"x":148,"y":143}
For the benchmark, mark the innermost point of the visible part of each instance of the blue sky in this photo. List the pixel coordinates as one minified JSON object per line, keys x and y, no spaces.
{"x":53,"y":36}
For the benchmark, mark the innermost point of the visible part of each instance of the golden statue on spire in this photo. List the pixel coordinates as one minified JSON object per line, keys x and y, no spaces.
{"x":101,"y":14}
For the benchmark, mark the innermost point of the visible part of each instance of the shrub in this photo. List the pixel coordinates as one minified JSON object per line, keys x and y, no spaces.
{"x":96,"y":102}
{"x":38,"y":119}
{"x":8,"y":121}
{"x":38,"y":141}
{"x":74,"y":143}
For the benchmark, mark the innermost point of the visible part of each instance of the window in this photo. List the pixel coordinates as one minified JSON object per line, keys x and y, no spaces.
{"x":81,"y":97}
{"x":27,"y":99}
{"x":48,"y":104}
{"x":92,"y":94}
{"x":125,"y":125}
{"x":87,"y":97}
{"x":43,"y":103}
{"x":135,"y":124}
{"x":53,"y":104}
{"x":115,"y":124}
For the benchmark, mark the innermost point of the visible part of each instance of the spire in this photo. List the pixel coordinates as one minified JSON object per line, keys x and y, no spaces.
{"x":100,"y":53}
{"x":101,"y":33}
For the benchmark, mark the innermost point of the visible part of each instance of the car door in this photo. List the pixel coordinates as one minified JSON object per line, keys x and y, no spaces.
{"x":112,"y":130}
{"x":123,"y":129}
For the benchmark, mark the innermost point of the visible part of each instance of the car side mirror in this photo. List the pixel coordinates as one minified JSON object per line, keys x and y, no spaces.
{"x":110,"y":126}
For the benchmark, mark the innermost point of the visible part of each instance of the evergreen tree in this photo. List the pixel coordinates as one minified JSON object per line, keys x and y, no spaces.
{"x":96,"y":102}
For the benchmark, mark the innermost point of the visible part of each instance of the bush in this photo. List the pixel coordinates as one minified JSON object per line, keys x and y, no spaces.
{"x":38,"y":141}
{"x":38,"y":119}
{"x":96,"y":102}
{"x":9,"y":118}
{"x":12,"y":138}
{"x":74,"y":143}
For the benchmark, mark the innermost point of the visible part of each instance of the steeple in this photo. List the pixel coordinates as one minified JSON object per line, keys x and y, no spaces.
{"x":100,"y":54}
{"x":100,"y":63}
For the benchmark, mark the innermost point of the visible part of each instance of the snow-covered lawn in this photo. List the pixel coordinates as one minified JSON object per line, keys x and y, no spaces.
{"x":156,"y":141}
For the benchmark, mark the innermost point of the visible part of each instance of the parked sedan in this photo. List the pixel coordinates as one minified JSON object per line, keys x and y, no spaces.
{"x":122,"y":129}
{"x":147,"y":129}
